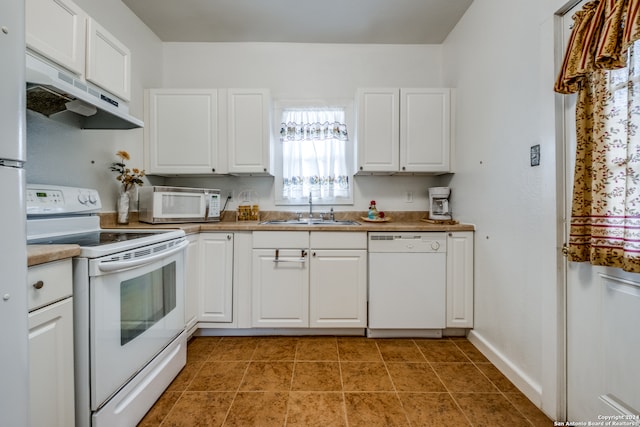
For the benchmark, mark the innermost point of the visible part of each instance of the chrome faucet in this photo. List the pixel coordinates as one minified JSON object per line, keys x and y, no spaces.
{"x":310,"y":206}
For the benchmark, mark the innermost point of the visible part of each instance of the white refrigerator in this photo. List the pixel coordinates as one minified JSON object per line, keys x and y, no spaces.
{"x":14,"y":357}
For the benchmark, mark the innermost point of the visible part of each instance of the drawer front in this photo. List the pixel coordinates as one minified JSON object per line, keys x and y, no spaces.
{"x":338,"y":240}
{"x":48,"y":283}
{"x":280,"y":239}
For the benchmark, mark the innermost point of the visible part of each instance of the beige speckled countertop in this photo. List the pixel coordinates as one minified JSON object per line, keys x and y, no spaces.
{"x":40,"y":254}
{"x":399,"y":221}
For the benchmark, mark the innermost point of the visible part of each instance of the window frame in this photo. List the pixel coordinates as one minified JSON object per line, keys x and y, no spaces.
{"x":349,"y":108}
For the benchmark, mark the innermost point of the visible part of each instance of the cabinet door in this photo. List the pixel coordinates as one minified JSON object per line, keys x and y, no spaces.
{"x":181,"y":132}
{"x":425,"y":130}
{"x":108,"y":61}
{"x":460,"y":279}
{"x":56,"y":29}
{"x":280,"y":288}
{"x":338,"y":288}
{"x":378,"y":130}
{"x":216,"y":285}
{"x":192,"y":278}
{"x":248,"y":130}
{"x":51,"y":378}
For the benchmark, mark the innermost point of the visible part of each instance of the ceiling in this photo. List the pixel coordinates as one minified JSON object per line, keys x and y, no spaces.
{"x":301,"y":21}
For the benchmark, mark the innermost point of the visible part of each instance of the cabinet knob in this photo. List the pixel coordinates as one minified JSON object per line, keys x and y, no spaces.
{"x":39,"y":284}
{"x":264,"y":169}
{"x":213,"y":169}
{"x":404,"y":168}
{"x":361,"y":168}
{"x":228,"y":236}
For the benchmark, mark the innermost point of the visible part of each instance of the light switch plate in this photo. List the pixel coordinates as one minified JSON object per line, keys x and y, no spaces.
{"x":535,"y":155}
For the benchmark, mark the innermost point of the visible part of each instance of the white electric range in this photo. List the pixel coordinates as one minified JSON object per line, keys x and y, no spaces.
{"x":128,"y":292}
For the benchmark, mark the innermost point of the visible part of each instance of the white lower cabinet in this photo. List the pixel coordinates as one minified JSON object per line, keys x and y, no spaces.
{"x":460,"y":279}
{"x":303,"y":279}
{"x":215,"y":296}
{"x":338,"y":280}
{"x":51,"y":375}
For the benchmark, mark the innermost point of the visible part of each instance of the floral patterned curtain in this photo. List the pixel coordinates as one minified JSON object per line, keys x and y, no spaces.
{"x":314,"y":154}
{"x":600,"y":65}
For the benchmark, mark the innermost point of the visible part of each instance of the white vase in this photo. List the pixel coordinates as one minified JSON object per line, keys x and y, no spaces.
{"x":122,"y":205}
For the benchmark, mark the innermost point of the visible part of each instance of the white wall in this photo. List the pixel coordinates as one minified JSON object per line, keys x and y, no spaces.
{"x":500,"y":57}
{"x":309,"y":71}
{"x":61,"y":154}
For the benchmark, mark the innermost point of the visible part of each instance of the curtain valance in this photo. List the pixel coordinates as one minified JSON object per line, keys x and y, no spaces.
{"x":602,"y":32}
{"x":306,"y":124}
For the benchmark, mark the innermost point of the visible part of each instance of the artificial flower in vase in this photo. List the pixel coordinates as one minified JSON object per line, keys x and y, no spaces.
{"x":128,"y":178}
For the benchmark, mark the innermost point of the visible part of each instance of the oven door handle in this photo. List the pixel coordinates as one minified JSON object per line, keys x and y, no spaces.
{"x":111,"y":266}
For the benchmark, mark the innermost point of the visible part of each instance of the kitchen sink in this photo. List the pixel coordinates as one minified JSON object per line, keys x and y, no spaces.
{"x":309,"y":222}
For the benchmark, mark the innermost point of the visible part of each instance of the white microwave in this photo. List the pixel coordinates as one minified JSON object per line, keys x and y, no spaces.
{"x":161,"y":204}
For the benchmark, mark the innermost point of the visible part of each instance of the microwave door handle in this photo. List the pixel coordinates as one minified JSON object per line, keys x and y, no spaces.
{"x":206,"y":206}
{"x":111,"y":266}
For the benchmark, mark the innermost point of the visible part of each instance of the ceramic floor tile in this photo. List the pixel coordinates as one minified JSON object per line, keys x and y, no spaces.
{"x":400,"y":351}
{"x":200,"y":348}
{"x":528,"y":409}
{"x":463,"y":377}
{"x":365,"y":376}
{"x":489,"y":410}
{"x":320,"y":348}
{"x":432,"y":410}
{"x":358,"y":350}
{"x":316,"y":409}
{"x":260,"y":409}
{"x":470,"y":350}
{"x":414,"y":377}
{"x":234,"y":348}
{"x":441,"y":351}
{"x":266,"y":373}
{"x":160,"y":409}
{"x":316,"y":376}
{"x":182,"y":381}
{"x":374,"y":410}
{"x":218,"y":376}
{"x":497,"y":377}
{"x":268,"y":376}
{"x":199,"y":409}
{"x":276,"y":348}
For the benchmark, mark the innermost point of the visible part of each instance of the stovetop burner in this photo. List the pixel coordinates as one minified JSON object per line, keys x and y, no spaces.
{"x":92,"y":239}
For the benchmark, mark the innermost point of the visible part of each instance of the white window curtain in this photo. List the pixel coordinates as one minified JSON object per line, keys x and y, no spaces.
{"x":314,"y":153}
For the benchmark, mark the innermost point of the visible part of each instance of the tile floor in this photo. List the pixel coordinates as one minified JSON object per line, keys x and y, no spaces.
{"x":340,"y":381}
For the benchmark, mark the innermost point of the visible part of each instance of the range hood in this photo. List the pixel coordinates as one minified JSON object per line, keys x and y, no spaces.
{"x":60,"y":95}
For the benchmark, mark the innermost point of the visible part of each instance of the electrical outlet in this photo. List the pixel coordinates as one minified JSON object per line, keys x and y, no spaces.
{"x":408,"y":196}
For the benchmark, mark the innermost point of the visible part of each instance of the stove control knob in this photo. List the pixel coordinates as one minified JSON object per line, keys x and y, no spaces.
{"x":83,"y":199}
{"x":435,"y":245}
{"x":92,"y":198}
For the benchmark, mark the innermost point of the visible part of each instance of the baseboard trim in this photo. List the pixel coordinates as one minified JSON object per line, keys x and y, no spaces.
{"x":522,"y":381}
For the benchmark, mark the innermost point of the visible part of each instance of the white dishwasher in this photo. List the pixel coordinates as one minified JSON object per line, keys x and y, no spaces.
{"x":407,"y":284}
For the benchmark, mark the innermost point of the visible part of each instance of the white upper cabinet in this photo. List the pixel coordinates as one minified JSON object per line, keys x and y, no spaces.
{"x":248,"y":131}
{"x":181,"y":136}
{"x":404,"y":130}
{"x":56,"y":29}
{"x":207,"y":131}
{"x":378,"y":130}
{"x":425,"y":130}
{"x":108,"y":61}
{"x":62,"y":32}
